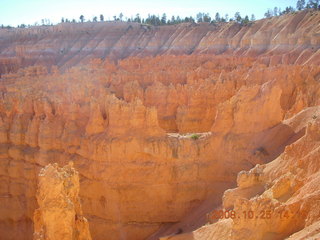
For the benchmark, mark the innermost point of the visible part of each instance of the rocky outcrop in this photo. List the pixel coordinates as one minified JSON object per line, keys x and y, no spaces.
{"x":59,"y":215}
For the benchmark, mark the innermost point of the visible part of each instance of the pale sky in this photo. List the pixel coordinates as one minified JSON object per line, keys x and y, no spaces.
{"x":15,"y":12}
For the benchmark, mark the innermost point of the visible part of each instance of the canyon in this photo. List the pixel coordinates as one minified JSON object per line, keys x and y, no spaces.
{"x":162,"y":126}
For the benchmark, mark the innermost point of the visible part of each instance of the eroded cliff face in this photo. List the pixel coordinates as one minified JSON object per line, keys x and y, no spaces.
{"x":117,"y":127}
{"x":127,"y":125}
{"x":286,"y":39}
{"x":278,"y":200}
{"x":59,"y":216}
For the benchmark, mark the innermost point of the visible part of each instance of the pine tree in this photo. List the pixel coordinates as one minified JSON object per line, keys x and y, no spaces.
{"x":101,"y":18}
{"x":189,"y":19}
{"x":200,"y":17}
{"x":82,"y":18}
{"x":226,"y":17}
{"x":178,"y":19}
{"x":253,"y":18}
{"x":301,"y":4}
{"x":313,"y":4}
{"x":245,"y":21}
{"x":137,"y":19}
{"x":269,"y":13}
{"x":164,"y":19}
{"x":173,"y":20}
{"x":217,"y":17}
{"x":237,"y":17}
{"x":120,"y":16}
{"x":206,"y":17}
{"x":288,"y":10}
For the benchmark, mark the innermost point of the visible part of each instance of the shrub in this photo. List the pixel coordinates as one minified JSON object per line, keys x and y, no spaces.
{"x":195,"y":136}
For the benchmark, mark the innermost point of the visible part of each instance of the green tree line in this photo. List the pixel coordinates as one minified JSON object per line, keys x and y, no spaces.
{"x":157,"y":20}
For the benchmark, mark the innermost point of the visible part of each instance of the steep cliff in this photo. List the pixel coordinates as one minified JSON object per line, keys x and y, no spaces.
{"x":160,"y":135}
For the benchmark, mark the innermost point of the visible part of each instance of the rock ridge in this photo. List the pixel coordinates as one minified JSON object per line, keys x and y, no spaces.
{"x":287,"y":39}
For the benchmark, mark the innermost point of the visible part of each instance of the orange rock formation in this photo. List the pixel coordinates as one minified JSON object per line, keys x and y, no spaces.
{"x":59,"y":215}
{"x":282,"y":196}
{"x":246,"y":93}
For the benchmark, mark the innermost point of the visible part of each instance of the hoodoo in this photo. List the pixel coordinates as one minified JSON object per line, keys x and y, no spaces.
{"x":59,"y":216}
